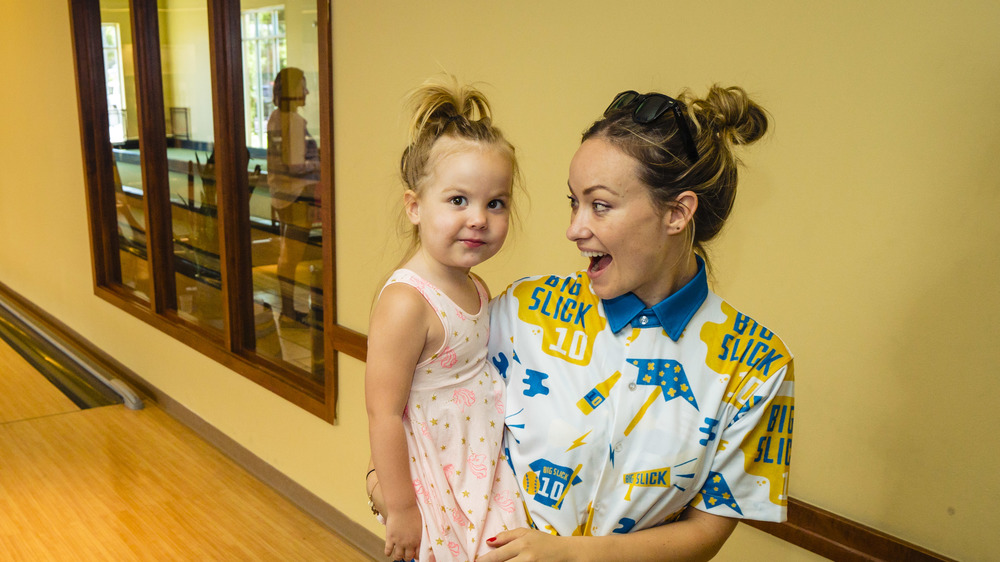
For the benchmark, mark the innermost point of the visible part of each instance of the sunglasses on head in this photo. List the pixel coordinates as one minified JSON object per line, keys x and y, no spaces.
{"x":649,"y":108}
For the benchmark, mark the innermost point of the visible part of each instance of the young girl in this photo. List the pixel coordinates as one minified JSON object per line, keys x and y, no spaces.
{"x":435,"y":405}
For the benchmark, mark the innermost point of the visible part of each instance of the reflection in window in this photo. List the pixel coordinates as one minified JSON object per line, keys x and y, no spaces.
{"x":288,"y":265}
{"x":116,"y":39}
{"x":187,"y":95}
{"x":115,"y":79}
{"x":264,"y":52}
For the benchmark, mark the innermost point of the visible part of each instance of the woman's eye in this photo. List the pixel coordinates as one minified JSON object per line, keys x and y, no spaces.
{"x":572,"y":201}
{"x":600,"y":207}
{"x":458,"y":200}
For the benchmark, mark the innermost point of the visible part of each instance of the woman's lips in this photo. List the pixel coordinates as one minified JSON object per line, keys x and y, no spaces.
{"x":598,"y":260}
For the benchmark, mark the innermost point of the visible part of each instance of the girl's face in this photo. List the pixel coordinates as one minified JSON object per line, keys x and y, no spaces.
{"x":615,"y":223}
{"x":462,"y":211}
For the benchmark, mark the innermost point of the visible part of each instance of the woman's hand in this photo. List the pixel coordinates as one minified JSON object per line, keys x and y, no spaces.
{"x":526,"y":545}
{"x":402,"y":534}
{"x":697,"y":536}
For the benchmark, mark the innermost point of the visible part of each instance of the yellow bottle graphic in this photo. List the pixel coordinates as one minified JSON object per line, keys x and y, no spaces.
{"x":597,"y":395}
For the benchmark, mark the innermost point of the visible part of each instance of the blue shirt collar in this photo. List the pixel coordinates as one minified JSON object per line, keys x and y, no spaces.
{"x":672,"y":313}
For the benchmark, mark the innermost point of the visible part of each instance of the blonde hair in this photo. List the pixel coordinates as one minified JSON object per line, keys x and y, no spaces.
{"x":453,"y":111}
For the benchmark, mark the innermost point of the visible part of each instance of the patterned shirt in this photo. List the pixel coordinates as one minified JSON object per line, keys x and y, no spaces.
{"x":620,"y":416}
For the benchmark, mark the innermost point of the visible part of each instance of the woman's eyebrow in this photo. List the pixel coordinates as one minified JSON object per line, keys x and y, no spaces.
{"x":593,"y":188}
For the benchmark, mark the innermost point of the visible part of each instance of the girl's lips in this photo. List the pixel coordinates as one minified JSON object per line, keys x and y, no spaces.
{"x":473,"y":243}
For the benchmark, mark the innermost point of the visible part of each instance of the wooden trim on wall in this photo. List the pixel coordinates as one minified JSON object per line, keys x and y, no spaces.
{"x":838,"y":538}
{"x":153,"y":147}
{"x":324,"y":13}
{"x":85,"y":23}
{"x":231,"y":176}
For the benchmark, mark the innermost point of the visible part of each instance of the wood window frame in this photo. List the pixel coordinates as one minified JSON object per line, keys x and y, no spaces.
{"x":234,"y":348}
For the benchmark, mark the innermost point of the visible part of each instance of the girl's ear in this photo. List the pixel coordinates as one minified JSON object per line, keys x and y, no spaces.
{"x":411,"y":205}
{"x":681,"y":212}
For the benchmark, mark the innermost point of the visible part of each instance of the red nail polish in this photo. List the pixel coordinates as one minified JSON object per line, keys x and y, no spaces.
{"x":491,"y":539}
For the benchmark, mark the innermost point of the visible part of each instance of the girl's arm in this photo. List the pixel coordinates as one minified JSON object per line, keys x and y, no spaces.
{"x":696,"y":536}
{"x":397,"y":335}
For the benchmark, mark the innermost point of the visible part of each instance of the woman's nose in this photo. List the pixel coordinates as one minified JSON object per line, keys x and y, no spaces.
{"x":578,"y":229}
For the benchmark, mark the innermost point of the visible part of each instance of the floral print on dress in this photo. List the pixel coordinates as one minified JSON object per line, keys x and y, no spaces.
{"x":448,"y":357}
{"x":464,"y":398}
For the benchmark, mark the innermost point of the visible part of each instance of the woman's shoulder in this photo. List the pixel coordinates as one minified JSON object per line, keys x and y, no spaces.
{"x":735,"y":336}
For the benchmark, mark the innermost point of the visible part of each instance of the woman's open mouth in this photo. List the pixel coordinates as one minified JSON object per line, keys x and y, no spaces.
{"x":598,"y":261}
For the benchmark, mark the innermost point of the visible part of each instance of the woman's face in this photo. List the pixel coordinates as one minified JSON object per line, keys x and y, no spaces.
{"x":616,"y":224}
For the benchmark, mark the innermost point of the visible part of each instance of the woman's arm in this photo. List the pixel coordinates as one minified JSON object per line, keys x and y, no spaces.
{"x":696,"y":536}
{"x":397,"y":335}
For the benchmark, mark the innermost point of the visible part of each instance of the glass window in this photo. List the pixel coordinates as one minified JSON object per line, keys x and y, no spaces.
{"x":264,"y":53}
{"x":281,"y":72}
{"x":115,"y":79}
{"x":187,"y":95}
{"x":116,"y":40}
{"x":218,"y":230}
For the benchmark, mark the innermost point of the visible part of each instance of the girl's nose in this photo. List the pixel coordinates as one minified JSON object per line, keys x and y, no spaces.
{"x":477,"y":218}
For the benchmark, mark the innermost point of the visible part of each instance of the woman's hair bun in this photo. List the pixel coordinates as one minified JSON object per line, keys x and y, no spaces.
{"x":731,"y":115}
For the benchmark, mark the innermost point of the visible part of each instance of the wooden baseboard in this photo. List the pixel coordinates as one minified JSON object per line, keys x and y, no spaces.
{"x":808,"y":527}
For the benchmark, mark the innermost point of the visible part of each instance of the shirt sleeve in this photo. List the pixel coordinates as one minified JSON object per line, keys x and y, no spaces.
{"x":503,"y":316}
{"x":750,"y":472}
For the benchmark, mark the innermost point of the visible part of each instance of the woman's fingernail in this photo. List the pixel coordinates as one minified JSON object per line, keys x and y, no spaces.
{"x":491,"y":539}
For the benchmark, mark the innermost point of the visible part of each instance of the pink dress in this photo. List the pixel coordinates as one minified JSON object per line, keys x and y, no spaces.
{"x":466,"y":491}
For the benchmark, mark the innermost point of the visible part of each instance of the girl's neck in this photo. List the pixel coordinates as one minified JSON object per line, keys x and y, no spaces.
{"x":456,"y":282}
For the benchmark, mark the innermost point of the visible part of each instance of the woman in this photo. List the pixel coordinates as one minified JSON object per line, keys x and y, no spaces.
{"x":292,"y":175}
{"x":636,"y":396}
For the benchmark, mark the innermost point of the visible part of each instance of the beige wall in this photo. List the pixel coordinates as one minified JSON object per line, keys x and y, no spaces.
{"x":865,"y":233}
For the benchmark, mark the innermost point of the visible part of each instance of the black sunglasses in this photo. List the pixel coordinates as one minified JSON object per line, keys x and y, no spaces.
{"x":649,"y":108}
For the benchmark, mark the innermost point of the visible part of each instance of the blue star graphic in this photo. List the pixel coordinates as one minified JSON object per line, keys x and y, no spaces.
{"x":666,"y":374}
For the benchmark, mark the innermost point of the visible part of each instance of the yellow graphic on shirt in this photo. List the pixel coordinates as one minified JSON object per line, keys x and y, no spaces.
{"x":598,"y":394}
{"x":767,"y":450}
{"x":656,"y":478}
{"x":565,"y":311}
{"x":745,"y":351}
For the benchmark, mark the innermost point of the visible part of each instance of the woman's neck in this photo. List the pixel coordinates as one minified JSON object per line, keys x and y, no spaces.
{"x":683,"y":271}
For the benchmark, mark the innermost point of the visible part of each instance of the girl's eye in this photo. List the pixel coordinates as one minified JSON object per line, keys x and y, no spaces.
{"x":496,"y":204}
{"x":458,"y":200}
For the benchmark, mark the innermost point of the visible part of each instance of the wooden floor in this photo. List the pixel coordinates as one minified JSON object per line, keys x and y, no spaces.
{"x":116,"y":484}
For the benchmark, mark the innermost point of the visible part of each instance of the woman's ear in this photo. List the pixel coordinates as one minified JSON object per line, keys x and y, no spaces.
{"x":411,"y":205}
{"x":681,"y":212}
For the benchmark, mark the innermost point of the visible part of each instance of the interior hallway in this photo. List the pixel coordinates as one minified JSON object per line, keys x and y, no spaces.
{"x":109,"y":483}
